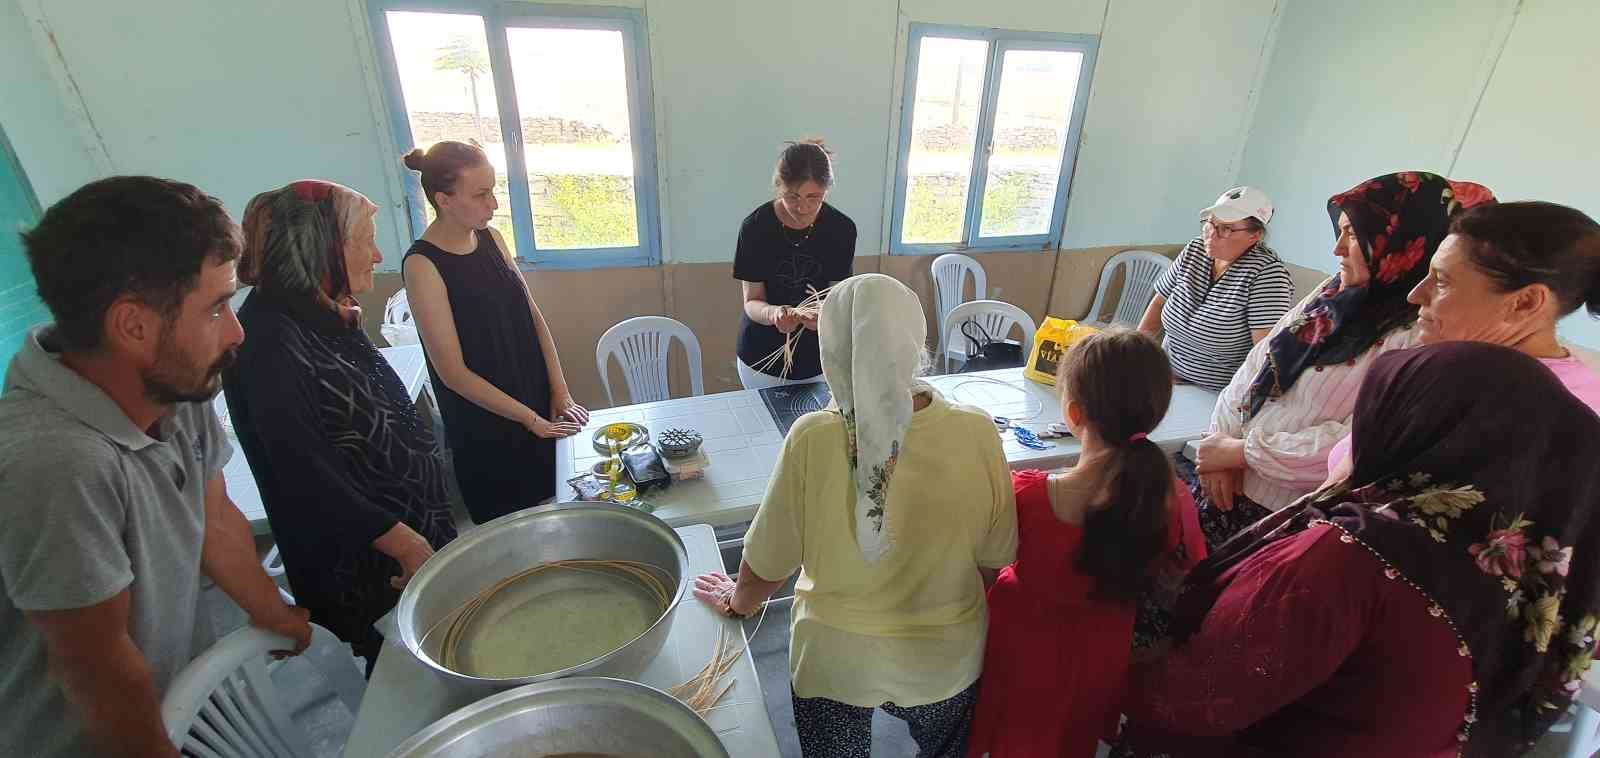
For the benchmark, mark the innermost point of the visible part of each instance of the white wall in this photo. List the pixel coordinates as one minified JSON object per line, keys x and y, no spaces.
{"x":240,"y":96}
{"x":1167,"y":117}
{"x":34,"y":112}
{"x":1500,"y":91}
{"x":236,"y":97}
{"x":1536,"y":135}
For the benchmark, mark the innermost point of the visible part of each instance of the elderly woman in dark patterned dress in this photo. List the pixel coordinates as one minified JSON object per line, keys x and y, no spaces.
{"x":348,"y":472}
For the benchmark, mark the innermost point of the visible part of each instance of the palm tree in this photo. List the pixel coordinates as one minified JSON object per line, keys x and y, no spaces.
{"x":464,"y":54}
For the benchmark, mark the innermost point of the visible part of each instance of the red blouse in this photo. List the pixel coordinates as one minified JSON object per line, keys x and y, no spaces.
{"x":1056,"y":657}
{"x":1312,"y":650}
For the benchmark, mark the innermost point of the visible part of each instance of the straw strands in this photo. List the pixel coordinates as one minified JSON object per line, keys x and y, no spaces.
{"x":703,"y":691}
{"x":811,"y":307}
{"x":460,"y":621}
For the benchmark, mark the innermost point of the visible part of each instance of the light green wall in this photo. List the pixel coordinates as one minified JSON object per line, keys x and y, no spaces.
{"x":1167,"y":118}
{"x":34,"y":113}
{"x":236,"y":97}
{"x":1500,"y":92}
{"x":241,"y":96}
{"x":1537,"y":134}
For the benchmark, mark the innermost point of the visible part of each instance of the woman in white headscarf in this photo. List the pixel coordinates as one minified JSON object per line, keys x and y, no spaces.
{"x":895,"y":505}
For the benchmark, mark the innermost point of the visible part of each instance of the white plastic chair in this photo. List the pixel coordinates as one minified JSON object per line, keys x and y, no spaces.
{"x":224,"y":705}
{"x":1586,"y":725}
{"x":950,"y":273}
{"x":1141,"y":268}
{"x":996,"y":317}
{"x":397,"y":328}
{"x":273,"y":565}
{"x":641,"y":345}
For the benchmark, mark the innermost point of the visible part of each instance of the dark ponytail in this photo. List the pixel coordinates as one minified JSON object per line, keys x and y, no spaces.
{"x":1122,"y":381}
{"x":1533,"y":242}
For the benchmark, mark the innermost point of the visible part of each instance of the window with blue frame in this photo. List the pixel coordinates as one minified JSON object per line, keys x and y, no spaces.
{"x":558,"y":96}
{"x":989,"y":130}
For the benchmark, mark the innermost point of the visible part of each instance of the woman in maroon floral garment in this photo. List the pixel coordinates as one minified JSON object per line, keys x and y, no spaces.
{"x":1441,"y":600}
{"x":1291,"y":400}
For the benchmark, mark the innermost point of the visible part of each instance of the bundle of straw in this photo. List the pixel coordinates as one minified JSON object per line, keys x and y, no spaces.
{"x":705,"y":689}
{"x":460,"y":620}
{"x":811,"y":307}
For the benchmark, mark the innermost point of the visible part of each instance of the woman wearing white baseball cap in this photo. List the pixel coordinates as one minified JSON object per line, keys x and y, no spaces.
{"x":1223,"y":293}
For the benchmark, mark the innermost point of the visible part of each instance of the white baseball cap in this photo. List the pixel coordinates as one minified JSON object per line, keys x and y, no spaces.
{"x":1240,"y":203}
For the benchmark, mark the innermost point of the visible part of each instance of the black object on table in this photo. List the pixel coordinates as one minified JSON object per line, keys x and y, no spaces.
{"x":789,"y":402}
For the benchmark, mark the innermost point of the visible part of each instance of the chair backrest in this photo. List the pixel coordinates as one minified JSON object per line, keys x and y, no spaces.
{"x":950,"y":272}
{"x":1141,"y":268}
{"x":397,"y":328}
{"x":224,"y":705}
{"x":273,"y":565}
{"x":997,"y":319}
{"x":641,"y":345}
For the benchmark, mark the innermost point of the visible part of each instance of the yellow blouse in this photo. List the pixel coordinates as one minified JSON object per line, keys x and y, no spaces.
{"x":910,"y":629}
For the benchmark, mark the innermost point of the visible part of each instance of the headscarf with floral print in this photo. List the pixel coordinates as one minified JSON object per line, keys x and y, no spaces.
{"x":294,"y":246}
{"x":1400,"y":219}
{"x":1475,"y":476}
{"x":872,"y":335}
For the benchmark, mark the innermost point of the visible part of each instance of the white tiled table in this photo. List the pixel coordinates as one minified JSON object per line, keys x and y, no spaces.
{"x":742,"y":441}
{"x":404,"y":696}
{"x":408,"y":361}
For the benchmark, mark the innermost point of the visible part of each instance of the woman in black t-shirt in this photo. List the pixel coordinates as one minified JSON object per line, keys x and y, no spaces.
{"x":787,"y":246}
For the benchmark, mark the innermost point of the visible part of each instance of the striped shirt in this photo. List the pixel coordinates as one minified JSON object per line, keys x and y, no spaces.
{"x":1207,"y":323}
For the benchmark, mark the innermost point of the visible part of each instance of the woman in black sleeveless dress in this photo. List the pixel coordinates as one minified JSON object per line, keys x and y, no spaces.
{"x":493,"y":361}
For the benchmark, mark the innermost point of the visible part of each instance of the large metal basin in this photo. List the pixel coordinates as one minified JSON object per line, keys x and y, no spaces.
{"x":512,"y":543}
{"x":581,"y":715}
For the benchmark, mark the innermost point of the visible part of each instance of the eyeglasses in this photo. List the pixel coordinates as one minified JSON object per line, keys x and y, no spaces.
{"x":806,"y":199}
{"x":1225,"y":231}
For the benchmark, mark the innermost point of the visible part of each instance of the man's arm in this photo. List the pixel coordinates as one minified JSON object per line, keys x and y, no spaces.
{"x":229,"y":558}
{"x":105,"y":677}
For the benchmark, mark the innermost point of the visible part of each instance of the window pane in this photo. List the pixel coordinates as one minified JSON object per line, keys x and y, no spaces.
{"x":443,"y":59}
{"x":1037,"y":88}
{"x":944,"y":126}
{"x":572,"y":91}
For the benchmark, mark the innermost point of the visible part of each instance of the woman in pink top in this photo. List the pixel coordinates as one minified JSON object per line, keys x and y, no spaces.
{"x":1505,"y":275}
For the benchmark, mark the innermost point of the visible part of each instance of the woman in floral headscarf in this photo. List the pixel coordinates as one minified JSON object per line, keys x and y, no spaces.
{"x":348,"y":472}
{"x":1441,"y":600}
{"x":1291,"y":401}
{"x":889,"y":505}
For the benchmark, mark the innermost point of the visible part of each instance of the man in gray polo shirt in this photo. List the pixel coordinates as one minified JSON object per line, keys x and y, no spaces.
{"x":112,"y":499}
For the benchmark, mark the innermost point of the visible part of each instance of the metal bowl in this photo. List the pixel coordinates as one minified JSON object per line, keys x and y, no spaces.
{"x":509,"y":544}
{"x":582,"y":715}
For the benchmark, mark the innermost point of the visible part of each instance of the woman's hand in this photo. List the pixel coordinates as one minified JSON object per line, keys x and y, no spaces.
{"x":786,"y":320}
{"x":293,"y":622}
{"x":716,"y":590}
{"x":418,"y":553}
{"x":546,"y":429}
{"x":1221,"y":486}
{"x":563,"y":407}
{"x":810,"y":322}
{"x":1219,"y":452}
{"x":406,"y":547}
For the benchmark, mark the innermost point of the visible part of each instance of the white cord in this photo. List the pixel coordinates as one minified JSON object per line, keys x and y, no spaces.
{"x":1038,"y":406}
